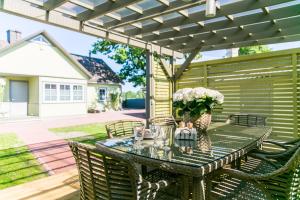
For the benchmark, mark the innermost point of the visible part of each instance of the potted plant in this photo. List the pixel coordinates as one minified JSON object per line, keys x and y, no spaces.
{"x":196,"y":105}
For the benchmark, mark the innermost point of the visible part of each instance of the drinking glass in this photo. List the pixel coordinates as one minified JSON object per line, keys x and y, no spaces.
{"x":165,"y":136}
{"x":155,"y":131}
{"x":138,"y":135}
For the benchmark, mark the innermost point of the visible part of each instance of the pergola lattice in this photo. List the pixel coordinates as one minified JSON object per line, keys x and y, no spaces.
{"x":170,"y":27}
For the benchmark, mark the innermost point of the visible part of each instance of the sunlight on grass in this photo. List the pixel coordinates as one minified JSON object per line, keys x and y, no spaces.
{"x":92,"y":132}
{"x":9,"y":140}
{"x":17,"y":165}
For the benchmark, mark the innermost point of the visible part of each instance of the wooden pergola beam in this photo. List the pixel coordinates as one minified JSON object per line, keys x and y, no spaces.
{"x":236,"y":40}
{"x":228,"y":9}
{"x":157,"y":11}
{"x":52,"y":4}
{"x":56,"y":19}
{"x":251,"y":32}
{"x":166,"y":67}
{"x":104,"y":8}
{"x":285,"y":12}
{"x":273,"y":40}
{"x":186,"y":63}
{"x":187,"y":29}
{"x":148,"y":12}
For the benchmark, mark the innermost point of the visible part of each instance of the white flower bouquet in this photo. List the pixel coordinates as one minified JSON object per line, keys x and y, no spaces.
{"x":196,"y":101}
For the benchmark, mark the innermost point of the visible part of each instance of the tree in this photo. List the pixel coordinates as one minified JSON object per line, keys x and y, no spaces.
{"x":132,"y":59}
{"x":253,"y":50}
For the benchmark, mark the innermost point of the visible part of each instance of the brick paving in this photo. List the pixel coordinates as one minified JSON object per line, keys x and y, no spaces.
{"x":50,"y":150}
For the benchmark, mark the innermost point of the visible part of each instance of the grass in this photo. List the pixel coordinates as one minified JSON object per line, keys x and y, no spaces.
{"x":17,"y":165}
{"x":92,"y":132}
{"x":9,"y":140}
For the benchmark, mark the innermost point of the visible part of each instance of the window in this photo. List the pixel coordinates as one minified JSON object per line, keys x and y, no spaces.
{"x":41,"y":40}
{"x":77,"y":93}
{"x":50,"y":92}
{"x":102,"y":94}
{"x":65,"y":92}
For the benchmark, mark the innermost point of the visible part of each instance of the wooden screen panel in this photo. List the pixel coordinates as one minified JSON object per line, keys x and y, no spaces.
{"x":263,"y":85}
{"x":298,"y":93}
{"x":162,"y":92}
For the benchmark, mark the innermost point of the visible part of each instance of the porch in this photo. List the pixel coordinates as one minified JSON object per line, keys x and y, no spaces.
{"x":19,"y":96}
{"x":266,"y":84}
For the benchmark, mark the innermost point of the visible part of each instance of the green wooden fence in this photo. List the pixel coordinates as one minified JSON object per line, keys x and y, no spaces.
{"x":265,"y":84}
{"x":163,"y":91}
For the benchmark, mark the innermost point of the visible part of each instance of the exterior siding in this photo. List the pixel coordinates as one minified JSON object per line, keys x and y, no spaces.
{"x":33,"y":95}
{"x":33,"y":59}
{"x":59,"y":108}
{"x":93,"y":95}
{"x":33,"y":104}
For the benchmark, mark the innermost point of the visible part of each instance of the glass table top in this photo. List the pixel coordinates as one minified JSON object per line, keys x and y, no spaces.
{"x":221,"y":140}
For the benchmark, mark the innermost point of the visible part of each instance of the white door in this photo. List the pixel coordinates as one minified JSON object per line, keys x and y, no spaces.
{"x":18,"y":98}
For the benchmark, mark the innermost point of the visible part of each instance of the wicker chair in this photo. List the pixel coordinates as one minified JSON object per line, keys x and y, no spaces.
{"x":121,"y":127}
{"x":163,"y":121}
{"x":266,"y":175}
{"x":108,"y":174}
{"x":247,"y":120}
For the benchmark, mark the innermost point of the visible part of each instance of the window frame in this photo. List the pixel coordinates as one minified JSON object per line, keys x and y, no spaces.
{"x":105,"y":89}
{"x":58,"y":92}
{"x":44,"y":93}
{"x":70,"y":92}
{"x":81,"y":100}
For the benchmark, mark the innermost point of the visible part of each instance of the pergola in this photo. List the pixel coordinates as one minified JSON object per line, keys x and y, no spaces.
{"x":169,"y":27}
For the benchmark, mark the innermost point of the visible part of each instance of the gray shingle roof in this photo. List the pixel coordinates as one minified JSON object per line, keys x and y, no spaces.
{"x":100,"y":71}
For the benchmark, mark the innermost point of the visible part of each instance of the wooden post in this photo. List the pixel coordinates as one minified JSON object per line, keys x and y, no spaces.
{"x":149,"y":86}
{"x":205,"y":76}
{"x":171,"y":89}
{"x":295,"y":103}
{"x":1,"y":4}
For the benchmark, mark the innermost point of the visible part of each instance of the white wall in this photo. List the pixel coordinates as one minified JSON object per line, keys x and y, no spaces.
{"x":93,"y":94}
{"x":34,"y":59}
{"x":58,"y":108}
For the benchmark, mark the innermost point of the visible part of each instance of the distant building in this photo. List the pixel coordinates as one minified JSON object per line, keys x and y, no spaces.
{"x":39,"y":78}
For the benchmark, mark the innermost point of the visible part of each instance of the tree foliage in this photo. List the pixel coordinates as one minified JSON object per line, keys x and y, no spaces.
{"x":253,"y":50}
{"x":134,"y":95}
{"x":132,"y":59}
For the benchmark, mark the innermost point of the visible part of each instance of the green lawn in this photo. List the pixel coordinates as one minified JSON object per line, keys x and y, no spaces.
{"x":17,"y":165}
{"x":92,"y":132}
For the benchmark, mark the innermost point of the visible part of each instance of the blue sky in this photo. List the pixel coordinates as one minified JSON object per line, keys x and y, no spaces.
{"x":79,"y":43}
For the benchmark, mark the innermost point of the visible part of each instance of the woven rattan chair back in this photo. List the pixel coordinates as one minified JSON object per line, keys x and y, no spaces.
{"x":121,"y":127}
{"x":163,"y":121}
{"x":276,"y":176}
{"x":104,"y":174}
{"x":289,"y":172}
{"x":247,"y":120}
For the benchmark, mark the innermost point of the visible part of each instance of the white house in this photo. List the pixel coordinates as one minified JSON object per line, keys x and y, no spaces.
{"x":39,"y":78}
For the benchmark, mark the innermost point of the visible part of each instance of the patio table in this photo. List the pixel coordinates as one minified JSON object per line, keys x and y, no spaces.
{"x":223,"y":144}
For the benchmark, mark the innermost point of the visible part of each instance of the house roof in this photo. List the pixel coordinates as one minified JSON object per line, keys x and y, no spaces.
{"x":54,"y":43}
{"x":96,"y":69}
{"x":101,"y":72}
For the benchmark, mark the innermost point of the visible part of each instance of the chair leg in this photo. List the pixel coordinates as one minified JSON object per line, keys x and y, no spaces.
{"x":144,"y":170}
{"x":184,"y":188}
{"x":238,"y":163}
{"x":208,"y":186}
